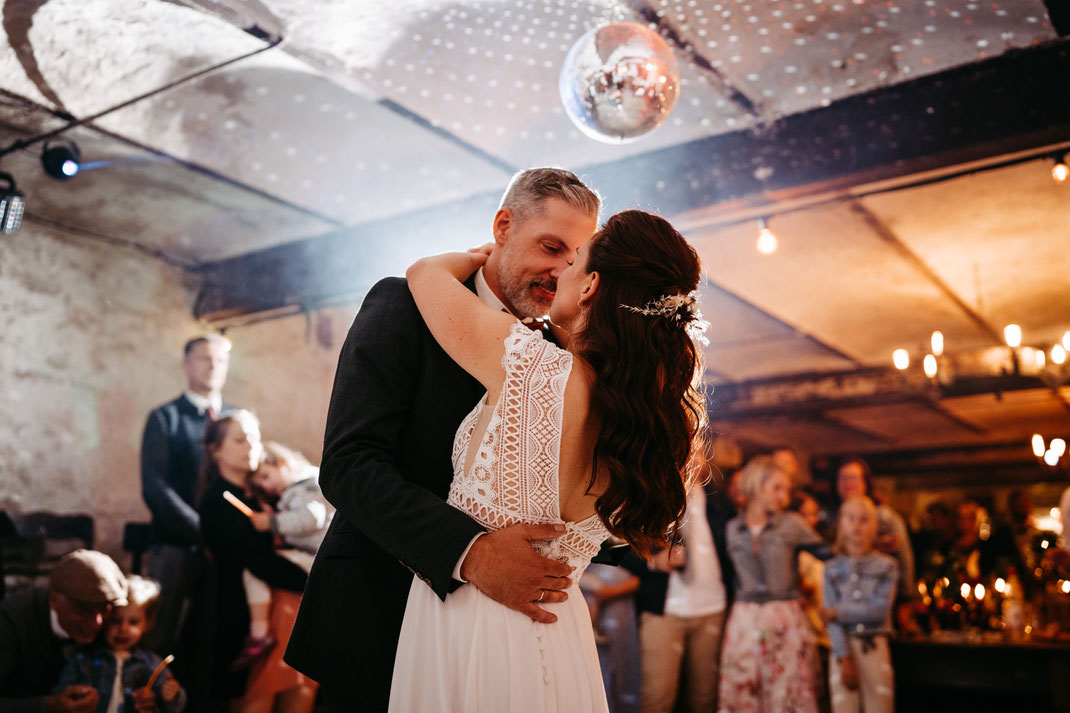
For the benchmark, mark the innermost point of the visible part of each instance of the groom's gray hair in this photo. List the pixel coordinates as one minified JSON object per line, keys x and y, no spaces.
{"x":530,"y":187}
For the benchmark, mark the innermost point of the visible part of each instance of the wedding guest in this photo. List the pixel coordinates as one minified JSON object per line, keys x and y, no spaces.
{"x":683,"y":597}
{"x":39,"y":628}
{"x":118,"y":667}
{"x":172,"y":448}
{"x":853,"y":479}
{"x":935,"y":543}
{"x":299,"y":520}
{"x":811,"y":584}
{"x":232,"y":450}
{"x":768,"y":655}
{"x":859,"y":591}
{"x":610,"y":595}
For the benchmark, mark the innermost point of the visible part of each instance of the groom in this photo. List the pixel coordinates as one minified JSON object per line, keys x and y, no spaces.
{"x":397,"y":402}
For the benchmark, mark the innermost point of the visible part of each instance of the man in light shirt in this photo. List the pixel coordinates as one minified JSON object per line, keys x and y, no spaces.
{"x":683,"y":598}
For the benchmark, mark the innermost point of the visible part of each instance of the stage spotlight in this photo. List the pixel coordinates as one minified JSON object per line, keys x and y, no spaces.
{"x":12,"y":203}
{"x":61,"y":159}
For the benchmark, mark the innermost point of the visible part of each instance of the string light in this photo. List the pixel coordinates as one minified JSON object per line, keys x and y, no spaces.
{"x":767,"y":240}
{"x":1051,"y":459}
{"x":938,"y":343}
{"x":929,"y":364}
{"x":1038,"y":356}
{"x":1038,"y":445}
{"x":1057,"y":445}
{"x":1012,"y":334}
{"x":1066,"y":340}
{"x":1060,"y":171}
{"x":901,"y":359}
{"x":1058,"y":354}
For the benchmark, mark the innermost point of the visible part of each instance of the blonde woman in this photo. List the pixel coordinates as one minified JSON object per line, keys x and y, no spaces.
{"x":768,"y":657}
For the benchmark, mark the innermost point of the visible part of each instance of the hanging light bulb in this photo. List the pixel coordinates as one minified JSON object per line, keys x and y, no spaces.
{"x":929,"y":364}
{"x":1060,"y":171}
{"x":901,"y":359}
{"x":1059,"y":446}
{"x":1051,"y":459}
{"x":1066,"y":340}
{"x":1012,"y":333}
{"x":938,"y":343}
{"x":1038,"y":445}
{"x":767,"y":241}
{"x":1058,"y":354}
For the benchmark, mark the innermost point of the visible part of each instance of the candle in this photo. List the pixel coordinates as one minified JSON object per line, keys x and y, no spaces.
{"x":233,"y":500}
{"x":159,"y":670}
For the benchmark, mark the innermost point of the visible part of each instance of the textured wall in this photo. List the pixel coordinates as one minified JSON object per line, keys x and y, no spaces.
{"x":283,"y":370}
{"x":90,"y":340}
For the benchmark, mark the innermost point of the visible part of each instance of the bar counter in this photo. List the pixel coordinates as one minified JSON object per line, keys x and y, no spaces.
{"x":954,"y":671}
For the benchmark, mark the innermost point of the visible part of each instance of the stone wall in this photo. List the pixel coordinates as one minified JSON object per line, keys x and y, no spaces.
{"x":90,"y":339}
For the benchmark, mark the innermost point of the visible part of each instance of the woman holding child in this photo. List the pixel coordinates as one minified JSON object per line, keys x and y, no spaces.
{"x":233,"y":450}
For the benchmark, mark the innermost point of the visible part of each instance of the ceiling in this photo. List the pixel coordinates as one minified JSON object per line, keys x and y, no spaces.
{"x":282,"y":129}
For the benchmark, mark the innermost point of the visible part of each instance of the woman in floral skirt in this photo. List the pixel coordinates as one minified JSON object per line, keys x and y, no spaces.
{"x":768,"y":656}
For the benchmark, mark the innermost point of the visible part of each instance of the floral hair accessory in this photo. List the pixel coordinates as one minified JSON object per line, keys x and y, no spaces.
{"x":673,"y":308}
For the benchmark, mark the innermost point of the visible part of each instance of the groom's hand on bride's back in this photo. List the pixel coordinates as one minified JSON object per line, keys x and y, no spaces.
{"x":505,"y":567}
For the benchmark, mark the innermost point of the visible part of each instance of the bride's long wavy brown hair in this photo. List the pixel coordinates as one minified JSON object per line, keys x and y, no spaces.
{"x":647,"y":369}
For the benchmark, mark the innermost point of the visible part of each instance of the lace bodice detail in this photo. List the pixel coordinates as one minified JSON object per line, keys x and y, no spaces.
{"x":513,"y":476}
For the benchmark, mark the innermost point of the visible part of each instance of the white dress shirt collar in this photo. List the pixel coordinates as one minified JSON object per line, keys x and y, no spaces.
{"x":202,"y":403}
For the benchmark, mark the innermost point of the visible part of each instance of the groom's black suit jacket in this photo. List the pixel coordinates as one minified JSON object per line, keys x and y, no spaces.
{"x":397,"y":402}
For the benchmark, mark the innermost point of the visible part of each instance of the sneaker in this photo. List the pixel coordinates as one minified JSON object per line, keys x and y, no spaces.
{"x":253,"y":650}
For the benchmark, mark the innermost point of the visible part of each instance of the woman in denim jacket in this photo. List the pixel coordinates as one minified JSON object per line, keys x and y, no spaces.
{"x":769,"y":655}
{"x":860,"y":586}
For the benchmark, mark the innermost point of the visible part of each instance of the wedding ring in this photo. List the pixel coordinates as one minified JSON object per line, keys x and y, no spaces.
{"x":542,"y":593}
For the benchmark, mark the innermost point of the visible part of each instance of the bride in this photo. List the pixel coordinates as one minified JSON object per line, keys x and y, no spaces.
{"x":593,"y":435}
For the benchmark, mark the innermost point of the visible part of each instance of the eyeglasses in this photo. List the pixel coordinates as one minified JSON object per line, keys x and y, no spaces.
{"x":90,"y":609}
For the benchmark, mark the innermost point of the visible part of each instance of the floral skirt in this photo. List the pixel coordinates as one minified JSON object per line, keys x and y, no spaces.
{"x":768,"y":659}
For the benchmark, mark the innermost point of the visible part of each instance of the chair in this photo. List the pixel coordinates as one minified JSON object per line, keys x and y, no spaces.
{"x":32,"y":543}
{"x":135,"y":541}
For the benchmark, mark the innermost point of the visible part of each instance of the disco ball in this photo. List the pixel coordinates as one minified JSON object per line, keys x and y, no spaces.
{"x":619,"y":81}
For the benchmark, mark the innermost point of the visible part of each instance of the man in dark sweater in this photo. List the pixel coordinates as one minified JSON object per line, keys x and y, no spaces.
{"x":39,"y":626}
{"x":172,"y":448}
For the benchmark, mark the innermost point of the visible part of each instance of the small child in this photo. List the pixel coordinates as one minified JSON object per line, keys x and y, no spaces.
{"x":860,"y":587}
{"x":299,"y":520}
{"x":117,"y":667}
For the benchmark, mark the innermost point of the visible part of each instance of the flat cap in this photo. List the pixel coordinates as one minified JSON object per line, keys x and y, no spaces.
{"x":90,"y":577}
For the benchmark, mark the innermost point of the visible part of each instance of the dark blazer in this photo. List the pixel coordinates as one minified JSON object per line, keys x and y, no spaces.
{"x":172,"y":448}
{"x":235,"y":545}
{"x":31,"y":655}
{"x":654,"y":585}
{"x":397,"y":402}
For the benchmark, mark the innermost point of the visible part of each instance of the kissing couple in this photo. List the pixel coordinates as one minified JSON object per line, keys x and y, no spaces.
{"x":496,"y":417}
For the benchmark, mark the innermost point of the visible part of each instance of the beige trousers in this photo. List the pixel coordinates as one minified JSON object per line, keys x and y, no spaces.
{"x":876,"y":685}
{"x":668,"y":644}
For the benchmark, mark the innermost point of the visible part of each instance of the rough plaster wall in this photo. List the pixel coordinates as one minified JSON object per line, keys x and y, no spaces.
{"x":283,"y":370}
{"x":90,"y":341}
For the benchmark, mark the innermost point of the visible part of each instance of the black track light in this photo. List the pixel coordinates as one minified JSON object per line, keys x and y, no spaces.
{"x":61,"y":159}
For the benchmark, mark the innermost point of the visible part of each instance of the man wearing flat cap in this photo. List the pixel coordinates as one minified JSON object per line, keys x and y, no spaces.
{"x":39,"y":626}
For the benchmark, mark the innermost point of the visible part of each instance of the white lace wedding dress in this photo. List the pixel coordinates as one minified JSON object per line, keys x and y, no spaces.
{"x":471,"y":653}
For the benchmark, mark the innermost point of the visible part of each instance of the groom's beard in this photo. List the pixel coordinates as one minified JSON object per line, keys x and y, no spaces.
{"x":527,"y":295}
